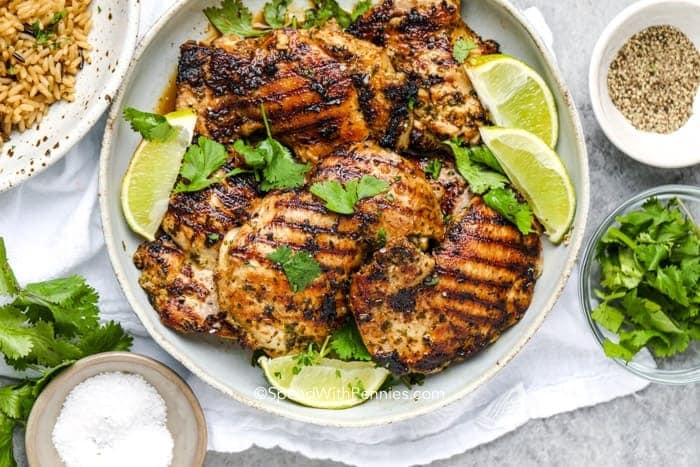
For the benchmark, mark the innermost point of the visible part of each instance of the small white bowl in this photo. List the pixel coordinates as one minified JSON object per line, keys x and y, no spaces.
{"x":678,"y":149}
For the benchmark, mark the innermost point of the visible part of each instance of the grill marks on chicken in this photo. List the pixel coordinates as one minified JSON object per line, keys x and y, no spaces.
{"x":417,"y":312}
{"x":255,"y":292}
{"x":383,"y":92}
{"x":310,"y":100}
{"x":419,"y":36}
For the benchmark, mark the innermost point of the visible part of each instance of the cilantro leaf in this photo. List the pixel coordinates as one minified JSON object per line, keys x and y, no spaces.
{"x":483,"y":155}
{"x":233,"y":18}
{"x":153,"y":127}
{"x":343,"y":199}
{"x":300,"y":268}
{"x":480,"y":178}
{"x":608,"y":316}
{"x":272,"y":162}
{"x":16,"y":401}
{"x":348,"y":345}
{"x":360,"y":9}
{"x":504,"y":201}
{"x":323,"y":11}
{"x":462,"y":49}
{"x":110,"y":337}
{"x":433,"y":168}
{"x":275,"y":13}
{"x":16,"y":339}
{"x":72,"y":303}
{"x":200,"y":163}
{"x":7,"y":430}
{"x":8,"y":282}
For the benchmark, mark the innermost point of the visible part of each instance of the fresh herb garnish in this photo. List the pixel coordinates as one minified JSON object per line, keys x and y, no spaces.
{"x":153,"y":127}
{"x":275,"y":13}
{"x":347,"y":344}
{"x":272,"y":163}
{"x":45,"y":327}
{"x":233,"y":18}
{"x":43,"y":34}
{"x":200,"y":163}
{"x":323,"y":11}
{"x":433,"y":168}
{"x":462,"y":48}
{"x":381,"y":237}
{"x":485,"y":177}
{"x":504,"y":201}
{"x":300,"y":268}
{"x":650,"y":275}
{"x":342,"y":199}
{"x":360,"y":9}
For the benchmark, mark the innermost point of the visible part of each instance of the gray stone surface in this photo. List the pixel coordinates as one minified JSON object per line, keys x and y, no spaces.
{"x":660,"y":425}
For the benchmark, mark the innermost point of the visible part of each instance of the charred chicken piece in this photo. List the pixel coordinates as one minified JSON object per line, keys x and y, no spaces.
{"x":419,"y":36}
{"x":418,"y":312}
{"x":309,"y":97}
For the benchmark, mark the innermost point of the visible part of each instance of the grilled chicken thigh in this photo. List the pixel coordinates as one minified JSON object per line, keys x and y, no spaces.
{"x":383,"y":92}
{"x":309,"y":97}
{"x":417,"y":312}
{"x":419,"y":36}
{"x":254,"y":291}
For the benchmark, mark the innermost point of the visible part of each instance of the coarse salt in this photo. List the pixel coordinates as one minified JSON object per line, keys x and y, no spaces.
{"x":113,"y":420}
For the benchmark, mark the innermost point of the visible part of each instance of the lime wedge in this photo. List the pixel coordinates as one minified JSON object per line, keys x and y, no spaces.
{"x":330,"y":384}
{"x":515,"y":95}
{"x":152,"y":173}
{"x":538,"y":173}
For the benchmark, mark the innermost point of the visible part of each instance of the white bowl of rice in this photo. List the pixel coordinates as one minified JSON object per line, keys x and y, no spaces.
{"x":61,"y":62}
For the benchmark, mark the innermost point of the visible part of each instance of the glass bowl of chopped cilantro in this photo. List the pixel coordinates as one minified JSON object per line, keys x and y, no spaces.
{"x":640,"y":284}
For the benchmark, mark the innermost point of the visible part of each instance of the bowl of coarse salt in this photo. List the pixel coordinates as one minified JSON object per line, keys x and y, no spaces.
{"x":644,"y":82}
{"x":116,"y":409}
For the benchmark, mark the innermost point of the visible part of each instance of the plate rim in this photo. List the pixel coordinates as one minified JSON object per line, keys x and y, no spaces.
{"x":575,"y":243}
{"x":95,"y":110}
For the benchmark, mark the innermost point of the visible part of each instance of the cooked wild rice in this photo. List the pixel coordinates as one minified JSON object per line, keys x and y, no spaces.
{"x":43,"y":45}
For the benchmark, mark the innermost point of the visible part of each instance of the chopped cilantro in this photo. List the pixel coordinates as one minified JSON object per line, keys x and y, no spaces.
{"x":432,"y":281}
{"x":381,"y":237}
{"x":433,"y":168}
{"x":272,"y":163}
{"x":342,"y":199}
{"x":43,"y":34}
{"x":153,"y":127}
{"x":650,"y":272}
{"x":300,"y":268}
{"x":462,"y":49}
{"x":323,"y":11}
{"x":233,"y":18}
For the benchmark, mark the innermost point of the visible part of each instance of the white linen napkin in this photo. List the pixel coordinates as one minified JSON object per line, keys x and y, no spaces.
{"x":51,"y":226}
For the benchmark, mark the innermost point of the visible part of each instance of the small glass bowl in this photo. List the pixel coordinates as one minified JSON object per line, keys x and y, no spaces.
{"x":681,"y":369}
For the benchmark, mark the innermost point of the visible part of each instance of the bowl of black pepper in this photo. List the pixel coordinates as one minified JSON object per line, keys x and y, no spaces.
{"x":644,"y":79}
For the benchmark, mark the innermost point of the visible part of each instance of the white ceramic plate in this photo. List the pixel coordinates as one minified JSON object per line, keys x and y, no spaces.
{"x":228,"y":368}
{"x":113,"y":37}
{"x":677,"y":149}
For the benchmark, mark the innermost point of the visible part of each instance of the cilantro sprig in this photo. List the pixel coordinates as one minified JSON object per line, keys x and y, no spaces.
{"x":233,"y":18}
{"x":272,"y":162}
{"x":650,"y":280}
{"x":342,"y":199}
{"x":275,"y":13}
{"x":300,"y":268}
{"x":200,"y":164}
{"x":462,"y":48}
{"x":485,"y":176}
{"x":45,"y":327}
{"x":433,"y":168}
{"x":153,"y":127}
{"x":347,"y":344}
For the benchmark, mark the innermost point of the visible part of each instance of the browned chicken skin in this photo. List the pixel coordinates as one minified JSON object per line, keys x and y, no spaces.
{"x":309,"y":97}
{"x":419,"y":36}
{"x":417,"y":312}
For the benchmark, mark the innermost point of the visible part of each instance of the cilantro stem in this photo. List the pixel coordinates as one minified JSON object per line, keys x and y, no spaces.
{"x":688,"y":215}
{"x":267,"y":124}
{"x":8,"y":282}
